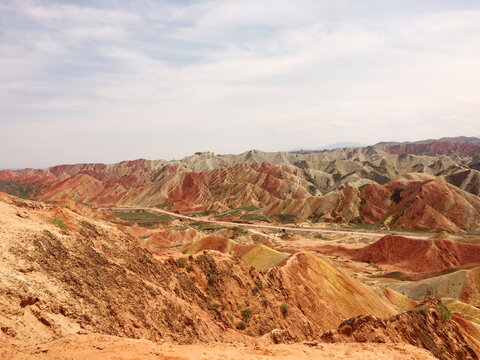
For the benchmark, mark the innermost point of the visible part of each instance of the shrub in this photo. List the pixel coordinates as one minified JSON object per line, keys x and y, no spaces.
{"x":396,"y":196}
{"x":181,"y":262}
{"x":265,"y":302}
{"x":241,"y":325}
{"x":230,"y":316}
{"x":189,"y":267}
{"x":212,"y":279}
{"x":255,"y":217}
{"x":284,"y":309}
{"x":59,"y":222}
{"x":444,"y":311}
{"x":246,"y":314}
{"x":256,"y":289}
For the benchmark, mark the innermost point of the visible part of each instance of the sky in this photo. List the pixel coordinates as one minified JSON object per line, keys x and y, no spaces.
{"x":111,"y":80}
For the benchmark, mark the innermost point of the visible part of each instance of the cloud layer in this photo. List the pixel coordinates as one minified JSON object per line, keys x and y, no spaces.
{"x":105,"y":81}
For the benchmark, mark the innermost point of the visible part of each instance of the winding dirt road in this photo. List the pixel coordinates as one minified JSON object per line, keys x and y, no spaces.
{"x":275,"y":227}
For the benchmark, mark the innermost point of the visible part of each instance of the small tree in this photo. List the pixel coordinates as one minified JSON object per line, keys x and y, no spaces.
{"x":246,"y":314}
{"x":241,"y":325}
{"x":181,"y":262}
{"x":284,"y":309}
{"x":212,"y":279}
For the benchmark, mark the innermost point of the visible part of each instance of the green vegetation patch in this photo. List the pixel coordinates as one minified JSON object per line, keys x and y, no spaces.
{"x":444,"y":311}
{"x":246,"y":314}
{"x":24,"y":191}
{"x":161,"y":206}
{"x":181,"y":262}
{"x":203,"y":226}
{"x":362,"y":226}
{"x":212,"y":279}
{"x":201,"y":213}
{"x":255,"y":217}
{"x":241,"y":325}
{"x":142,"y":218}
{"x":239,"y":230}
{"x":59,"y":222}
{"x":236,"y":210}
{"x":287,"y":218}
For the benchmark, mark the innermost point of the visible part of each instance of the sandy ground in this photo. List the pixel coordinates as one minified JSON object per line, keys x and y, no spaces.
{"x":94,"y":346}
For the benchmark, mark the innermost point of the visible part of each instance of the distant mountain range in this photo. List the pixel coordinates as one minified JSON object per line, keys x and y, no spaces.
{"x":341,"y":145}
{"x":460,"y":146}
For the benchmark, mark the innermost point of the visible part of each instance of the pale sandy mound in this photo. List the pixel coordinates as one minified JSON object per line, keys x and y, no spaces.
{"x":259,"y":256}
{"x":467,"y":311}
{"x":463,"y":285}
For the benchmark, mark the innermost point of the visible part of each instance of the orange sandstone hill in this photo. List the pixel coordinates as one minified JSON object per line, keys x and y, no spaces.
{"x":409,"y":254}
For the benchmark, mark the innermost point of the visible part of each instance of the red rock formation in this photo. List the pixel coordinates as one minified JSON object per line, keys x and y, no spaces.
{"x":428,"y":326}
{"x":430,"y":204}
{"x":414,"y":255}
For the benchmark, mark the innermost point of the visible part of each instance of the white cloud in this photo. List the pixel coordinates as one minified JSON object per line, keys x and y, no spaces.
{"x":290,"y":74}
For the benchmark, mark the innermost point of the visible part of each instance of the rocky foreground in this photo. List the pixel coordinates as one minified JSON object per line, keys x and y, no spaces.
{"x":75,"y":288}
{"x":104,"y":347}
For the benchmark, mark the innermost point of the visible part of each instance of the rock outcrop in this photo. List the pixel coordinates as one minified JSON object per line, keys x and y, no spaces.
{"x":428,"y":326}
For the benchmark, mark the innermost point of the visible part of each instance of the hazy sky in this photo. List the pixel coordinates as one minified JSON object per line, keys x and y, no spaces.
{"x":104,"y":81}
